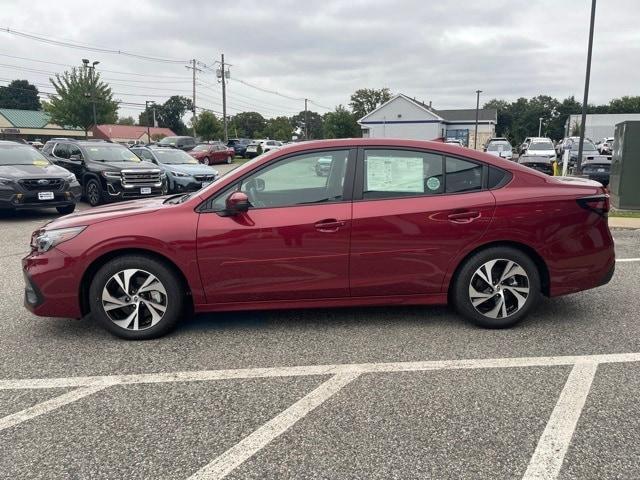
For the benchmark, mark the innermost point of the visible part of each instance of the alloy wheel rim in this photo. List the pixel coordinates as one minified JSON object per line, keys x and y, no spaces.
{"x":499,"y":288}
{"x":92,"y":193}
{"x":134,"y":299}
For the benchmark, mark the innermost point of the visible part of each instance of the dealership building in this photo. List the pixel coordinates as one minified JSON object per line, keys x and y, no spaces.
{"x":597,"y":125}
{"x":405,"y":117}
{"x":33,"y":125}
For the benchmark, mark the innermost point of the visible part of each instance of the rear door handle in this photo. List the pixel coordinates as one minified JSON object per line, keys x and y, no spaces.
{"x":329,"y":225}
{"x":463,"y":217}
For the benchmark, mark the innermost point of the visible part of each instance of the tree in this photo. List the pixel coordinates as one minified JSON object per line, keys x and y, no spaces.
{"x":278,"y":128}
{"x":366,"y":100}
{"x":624,"y":105}
{"x":21,"y":95}
{"x":248,"y":124}
{"x":126,"y":121}
{"x":72,"y":104}
{"x":314,"y":127}
{"x":169,"y":114}
{"x":208,"y":127}
{"x":340,"y":123}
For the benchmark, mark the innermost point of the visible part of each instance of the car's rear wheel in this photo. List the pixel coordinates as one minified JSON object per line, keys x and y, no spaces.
{"x":66,"y":210}
{"x":136,"y":297}
{"x":93,"y":192}
{"x":206,"y":161}
{"x":497,"y":287}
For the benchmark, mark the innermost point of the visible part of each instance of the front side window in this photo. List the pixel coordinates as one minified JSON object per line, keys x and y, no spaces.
{"x":308,"y":179}
{"x":61,"y":150}
{"x":398,"y":173}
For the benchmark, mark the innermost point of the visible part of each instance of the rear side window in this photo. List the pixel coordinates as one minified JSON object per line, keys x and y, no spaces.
{"x":462,"y":176}
{"x":400,"y":173}
{"x":497,"y":178}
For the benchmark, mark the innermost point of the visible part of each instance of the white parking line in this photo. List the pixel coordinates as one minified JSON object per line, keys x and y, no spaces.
{"x":254,"y":442}
{"x":309,"y":370}
{"x":47,"y":406}
{"x":627,"y":259}
{"x":546,"y":462}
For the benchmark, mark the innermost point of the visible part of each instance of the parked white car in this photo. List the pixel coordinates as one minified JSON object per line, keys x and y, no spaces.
{"x":540,"y":147}
{"x":500,"y":148}
{"x":605,"y":146}
{"x":252,"y":148}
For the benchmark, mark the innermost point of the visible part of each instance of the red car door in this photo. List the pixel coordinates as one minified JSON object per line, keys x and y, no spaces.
{"x":293,"y":243}
{"x":412,"y":212}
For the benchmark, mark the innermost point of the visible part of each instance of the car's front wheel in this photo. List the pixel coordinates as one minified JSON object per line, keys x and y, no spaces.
{"x":93,"y":192}
{"x":136,"y":297}
{"x":497,"y":287}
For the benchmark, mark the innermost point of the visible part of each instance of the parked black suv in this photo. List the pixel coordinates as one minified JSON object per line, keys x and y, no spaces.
{"x":106,"y":171}
{"x":239,"y":145}
{"x":29,"y":180}
{"x":182,"y":142}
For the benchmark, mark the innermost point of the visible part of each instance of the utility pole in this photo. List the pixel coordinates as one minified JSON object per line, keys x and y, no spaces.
{"x":146,"y":111}
{"x":195,"y":69}
{"x":306,"y":121}
{"x":224,"y":98}
{"x":92,"y":69}
{"x":475,"y":139}
{"x":586,"y":86}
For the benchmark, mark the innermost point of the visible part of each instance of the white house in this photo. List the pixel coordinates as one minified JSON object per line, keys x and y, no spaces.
{"x":405,"y":117}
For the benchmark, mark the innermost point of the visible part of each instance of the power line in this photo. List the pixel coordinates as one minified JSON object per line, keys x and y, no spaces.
{"x":91,"y":48}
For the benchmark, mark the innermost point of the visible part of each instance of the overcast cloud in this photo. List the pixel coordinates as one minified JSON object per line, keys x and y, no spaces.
{"x":434,"y":51}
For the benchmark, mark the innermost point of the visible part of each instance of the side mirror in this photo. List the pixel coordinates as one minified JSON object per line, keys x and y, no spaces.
{"x":237,"y":202}
{"x":76,"y":158}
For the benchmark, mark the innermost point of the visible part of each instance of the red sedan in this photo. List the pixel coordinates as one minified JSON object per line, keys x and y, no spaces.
{"x":210,"y":153}
{"x":391,"y":222}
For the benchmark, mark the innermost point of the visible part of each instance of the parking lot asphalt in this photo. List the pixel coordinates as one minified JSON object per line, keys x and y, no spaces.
{"x":385,"y":392}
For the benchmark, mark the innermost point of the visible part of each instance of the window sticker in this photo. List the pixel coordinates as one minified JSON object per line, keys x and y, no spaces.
{"x":388,"y":174}
{"x":433,"y":184}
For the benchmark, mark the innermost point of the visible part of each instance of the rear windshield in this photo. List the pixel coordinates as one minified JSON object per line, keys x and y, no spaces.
{"x":498,"y":146}
{"x":21,"y":155}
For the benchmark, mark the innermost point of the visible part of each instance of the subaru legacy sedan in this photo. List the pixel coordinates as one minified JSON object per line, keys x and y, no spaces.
{"x":393,"y":222}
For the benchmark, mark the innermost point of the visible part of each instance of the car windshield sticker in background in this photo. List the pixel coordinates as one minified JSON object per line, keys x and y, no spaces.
{"x":433,"y":184}
{"x":395,"y":174}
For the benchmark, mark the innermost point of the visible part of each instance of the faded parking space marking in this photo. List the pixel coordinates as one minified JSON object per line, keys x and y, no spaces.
{"x":627,"y":259}
{"x":547,"y":459}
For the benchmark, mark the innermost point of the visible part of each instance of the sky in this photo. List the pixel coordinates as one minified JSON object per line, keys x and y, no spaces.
{"x":324,"y":50}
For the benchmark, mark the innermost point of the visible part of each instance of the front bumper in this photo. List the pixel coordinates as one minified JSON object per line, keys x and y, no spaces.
{"x":52,"y":284}
{"x":116,"y":191}
{"x":15,"y":197}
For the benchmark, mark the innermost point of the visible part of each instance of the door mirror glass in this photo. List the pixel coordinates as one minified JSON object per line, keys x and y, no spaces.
{"x":237,"y":202}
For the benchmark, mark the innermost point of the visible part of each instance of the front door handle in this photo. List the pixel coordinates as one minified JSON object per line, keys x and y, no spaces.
{"x":329,"y":225}
{"x":463,"y":217}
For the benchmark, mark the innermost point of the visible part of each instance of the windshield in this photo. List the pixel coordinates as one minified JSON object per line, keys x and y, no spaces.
{"x":498,"y":146}
{"x":21,"y":155}
{"x":587,"y":147}
{"x":111,"y":153}
{"x":201,"y":148}
{"x":541,"y":146}
{"x":174,"y":157}
{"x":168,"y":141}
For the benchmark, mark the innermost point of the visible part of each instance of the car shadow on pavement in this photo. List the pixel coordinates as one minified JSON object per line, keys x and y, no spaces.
{"x":28,"y":215}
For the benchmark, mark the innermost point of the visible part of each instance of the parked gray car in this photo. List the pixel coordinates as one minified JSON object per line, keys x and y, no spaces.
{"x":184,"y":173}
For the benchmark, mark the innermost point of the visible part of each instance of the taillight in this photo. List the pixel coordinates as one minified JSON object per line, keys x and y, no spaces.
{"x":595,"y":203}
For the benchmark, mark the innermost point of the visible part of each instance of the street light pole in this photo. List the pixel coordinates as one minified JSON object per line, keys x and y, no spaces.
{"x":475,"y":138}
{"x":586,"y":85}
{"x":146,"y":110}
{"x":540,"y":127}
{"x":92,"y":69}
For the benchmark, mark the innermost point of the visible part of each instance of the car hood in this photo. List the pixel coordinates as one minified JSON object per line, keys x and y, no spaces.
{"x":198,"y":153}
{"x":128,"y":165}
{"x":32,"y":171}
{"x":108,"y":212}
{"x":191,"y":169}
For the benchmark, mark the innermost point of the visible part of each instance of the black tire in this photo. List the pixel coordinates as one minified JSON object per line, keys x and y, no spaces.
{"x":460,"y":288}
{"x":93,"y":192}
{"x":175,"y":295}
{"x":66,"y":210}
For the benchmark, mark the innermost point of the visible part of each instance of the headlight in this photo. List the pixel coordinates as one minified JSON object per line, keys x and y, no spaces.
{"x":45,"y":240}
{"x":70,"y":178}
{"x":5,"y":181}
{"x":111,"y":174}
{"x":180,"y":174}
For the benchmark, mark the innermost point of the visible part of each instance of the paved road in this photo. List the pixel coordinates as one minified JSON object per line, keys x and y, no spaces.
{"x":348,"y":393}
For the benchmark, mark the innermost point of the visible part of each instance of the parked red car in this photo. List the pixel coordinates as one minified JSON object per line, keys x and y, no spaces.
{"x":392,"y":222}
{"x":210,"y":153}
